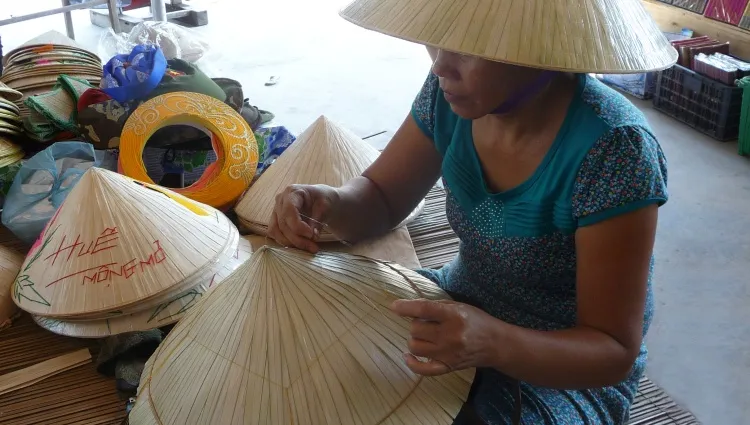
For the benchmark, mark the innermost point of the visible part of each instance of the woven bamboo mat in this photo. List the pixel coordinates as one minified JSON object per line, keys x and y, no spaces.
{"x":436,"y":244}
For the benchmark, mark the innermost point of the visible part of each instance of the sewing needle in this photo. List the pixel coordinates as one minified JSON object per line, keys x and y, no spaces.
{"x":327,"y":227}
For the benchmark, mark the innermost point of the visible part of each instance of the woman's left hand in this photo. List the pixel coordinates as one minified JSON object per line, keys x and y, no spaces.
{"x":452,"y":335}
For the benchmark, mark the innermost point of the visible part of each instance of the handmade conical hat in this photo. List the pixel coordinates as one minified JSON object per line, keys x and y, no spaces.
{"x":325,"y":153}
{"x":10,"y":262}
{"x":52,"y":38}
{"x":163,"y":314}
{"x":11,"y":159}
{"x":7,"y":147}
{"x":601,"y":36}
{"x":9,"y":93}
{"x":7,"y":115}
{"x":292,"y":338}
{"x":116,"y":245}
{"x":7,"y":105}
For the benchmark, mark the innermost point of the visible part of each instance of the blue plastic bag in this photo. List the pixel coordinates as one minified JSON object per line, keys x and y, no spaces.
{"x":42,"y":184}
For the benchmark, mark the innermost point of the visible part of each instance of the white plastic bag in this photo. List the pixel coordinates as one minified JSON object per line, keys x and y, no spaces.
{"x":175,"y":41}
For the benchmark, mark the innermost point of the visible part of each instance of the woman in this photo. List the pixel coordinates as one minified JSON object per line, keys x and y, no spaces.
{"x":553,"y":193}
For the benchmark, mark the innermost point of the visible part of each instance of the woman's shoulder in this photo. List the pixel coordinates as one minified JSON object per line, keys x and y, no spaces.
{"x":609,"y":106}
{"x":433,"y":113}
{"x":423,"y":108}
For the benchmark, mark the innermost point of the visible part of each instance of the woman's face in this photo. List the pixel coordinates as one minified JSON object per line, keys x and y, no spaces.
{"x":475,"y":87}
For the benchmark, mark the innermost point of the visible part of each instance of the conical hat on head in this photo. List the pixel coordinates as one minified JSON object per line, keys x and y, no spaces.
{"x":325,"y":153}
{"x":10,"y":263}
{"x":601,"y":36}
{"x":116,"y":245}
{"x":292,"y":338}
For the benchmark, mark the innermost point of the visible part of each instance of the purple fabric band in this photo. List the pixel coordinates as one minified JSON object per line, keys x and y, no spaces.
{"x":525,"y":93}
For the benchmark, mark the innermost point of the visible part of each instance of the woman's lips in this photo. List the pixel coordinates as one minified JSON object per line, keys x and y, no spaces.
{"x":450,"y":97}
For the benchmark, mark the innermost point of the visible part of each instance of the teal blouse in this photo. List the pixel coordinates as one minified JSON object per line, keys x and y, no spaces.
{"x":517,"y":258}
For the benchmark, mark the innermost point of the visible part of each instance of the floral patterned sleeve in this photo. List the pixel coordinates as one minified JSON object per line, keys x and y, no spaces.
{"x":423,"y":108}
{"x":624,"y":171}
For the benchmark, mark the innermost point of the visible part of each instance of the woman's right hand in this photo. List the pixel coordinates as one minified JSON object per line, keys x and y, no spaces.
{"x":287,"y":225}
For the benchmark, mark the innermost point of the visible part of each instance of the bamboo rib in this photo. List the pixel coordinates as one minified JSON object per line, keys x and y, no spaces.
{"x":292,"y":338}
{"x":117,"y":246}
{"x":33,"y":374}
{"x":601,"y":36}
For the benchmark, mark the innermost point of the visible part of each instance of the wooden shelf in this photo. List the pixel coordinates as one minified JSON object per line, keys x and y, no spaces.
{"x":673,"y":19}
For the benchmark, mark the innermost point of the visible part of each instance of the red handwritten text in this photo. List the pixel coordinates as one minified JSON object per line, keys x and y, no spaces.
{"x":109,"y":271}
{"x":106,"y":240}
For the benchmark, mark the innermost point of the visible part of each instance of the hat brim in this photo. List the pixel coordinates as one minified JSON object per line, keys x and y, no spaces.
{"x":602,"y":36}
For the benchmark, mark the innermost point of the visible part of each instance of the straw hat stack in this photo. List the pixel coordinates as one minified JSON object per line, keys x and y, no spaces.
{"x":34,"y":67}
{"x":325,"y":153}
{"x":10,"y":125}
{"x":10,"y":119}
{"x":295,"y":338}
{"x":120,"y":255}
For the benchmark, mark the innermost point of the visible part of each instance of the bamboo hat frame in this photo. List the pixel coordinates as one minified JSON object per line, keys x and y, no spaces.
{"x":325,"y":153}
{"x":295,"y":338}
{"x":117,"y":246}
{"x":581,"y":36}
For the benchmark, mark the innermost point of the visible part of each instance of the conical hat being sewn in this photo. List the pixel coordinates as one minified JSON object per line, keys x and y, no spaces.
{"x":602,"y":36}
{"x":325,"y":153}
{"x":163,"y":314}
{"x":292,"y":338}
{"x":10,"y":262}
{"x":117,"y":246}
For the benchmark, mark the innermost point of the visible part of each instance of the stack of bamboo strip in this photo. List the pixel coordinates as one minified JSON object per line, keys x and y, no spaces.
{"x":29,"y":376}
{"x":297,"y":338}
{"x":434,"y":240}
{"x":117,"y":247}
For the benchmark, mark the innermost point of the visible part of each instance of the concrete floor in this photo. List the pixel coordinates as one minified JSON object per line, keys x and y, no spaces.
{"x":700,"y":341}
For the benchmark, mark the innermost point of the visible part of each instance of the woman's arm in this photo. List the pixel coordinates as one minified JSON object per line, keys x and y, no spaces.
{"x":613,"y":259}
{"x":613,"y":265}
{"x":390,"y":189}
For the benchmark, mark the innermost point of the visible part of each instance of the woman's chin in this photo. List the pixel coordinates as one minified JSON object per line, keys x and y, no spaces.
{"x":465,"y":113}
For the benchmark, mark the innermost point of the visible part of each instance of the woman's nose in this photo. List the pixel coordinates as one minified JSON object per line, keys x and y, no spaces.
{"x":443,"y":63}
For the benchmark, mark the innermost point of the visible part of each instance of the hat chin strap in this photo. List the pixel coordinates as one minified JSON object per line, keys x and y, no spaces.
{"x":523,"y":95}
